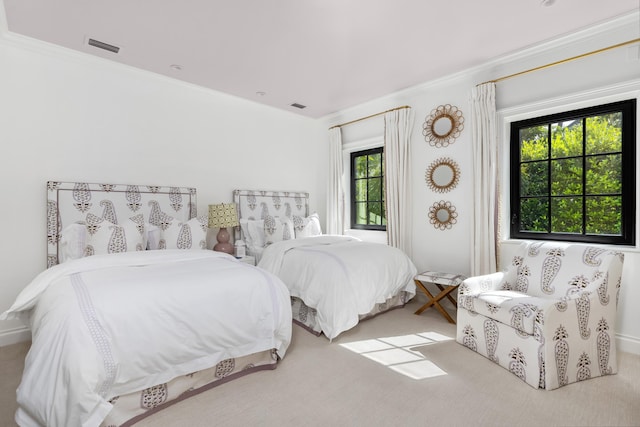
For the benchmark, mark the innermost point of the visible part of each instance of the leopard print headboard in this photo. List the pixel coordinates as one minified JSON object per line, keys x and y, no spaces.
{"x":69,"y":202}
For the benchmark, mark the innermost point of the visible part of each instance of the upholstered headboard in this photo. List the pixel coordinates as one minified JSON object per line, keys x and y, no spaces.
{"x":257,"y":204}
{"x":70,"y":202}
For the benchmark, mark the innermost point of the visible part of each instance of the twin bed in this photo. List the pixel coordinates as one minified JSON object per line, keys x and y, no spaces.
{"x":287,"y":241}
{"x":121,"y":331}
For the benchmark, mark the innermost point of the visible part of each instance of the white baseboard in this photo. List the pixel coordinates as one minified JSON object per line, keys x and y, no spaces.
{"x":14,"y":336}
{"x":628,"y":344}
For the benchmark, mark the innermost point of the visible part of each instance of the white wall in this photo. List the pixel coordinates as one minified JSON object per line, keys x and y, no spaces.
{"x":70,"y":117}
{"x":587,"y":78}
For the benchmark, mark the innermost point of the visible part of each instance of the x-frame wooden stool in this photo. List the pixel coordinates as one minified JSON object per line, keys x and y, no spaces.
{"x":446,"y":283}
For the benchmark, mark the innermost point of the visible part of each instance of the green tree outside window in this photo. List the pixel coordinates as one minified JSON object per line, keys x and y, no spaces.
{"x":573,"y":175}
{"x":367,"y":190}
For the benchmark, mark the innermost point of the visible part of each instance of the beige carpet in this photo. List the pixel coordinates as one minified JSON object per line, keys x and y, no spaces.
{"x":322,"y":383}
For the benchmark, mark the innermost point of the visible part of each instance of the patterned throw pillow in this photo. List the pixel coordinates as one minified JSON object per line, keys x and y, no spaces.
{"x":105,"y":237}
{"x":184,"y":235}
{"x":277,"y":229}
{"x":307,"y":227}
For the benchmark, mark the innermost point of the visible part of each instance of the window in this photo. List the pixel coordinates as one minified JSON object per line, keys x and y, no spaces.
{"x":573,"y":175}
{"x":367,"y":190}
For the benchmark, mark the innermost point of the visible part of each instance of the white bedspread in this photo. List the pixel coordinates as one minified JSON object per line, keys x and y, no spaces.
{"x":340,"y":276}
{"x":108,"y":325}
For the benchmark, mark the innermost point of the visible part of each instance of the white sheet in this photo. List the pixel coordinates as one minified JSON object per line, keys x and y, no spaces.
{"x":340,"y":276}
{"x":113,"y":324}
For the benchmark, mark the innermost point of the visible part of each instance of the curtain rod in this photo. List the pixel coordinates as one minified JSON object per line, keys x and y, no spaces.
{"x":368,"y":117}
{"x":593,"y":52}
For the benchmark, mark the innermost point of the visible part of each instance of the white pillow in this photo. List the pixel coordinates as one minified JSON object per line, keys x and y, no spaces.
{"x":307,"y":227}
{"x":153,"y":237}
{"x":256,"y":233}
{"x":244,"y":225}
{"x":185,"y":235}
{"x":253,"y":232}
{"x":277,"y":229}
{"x":73,"y":240}
{"x":105,"y":237}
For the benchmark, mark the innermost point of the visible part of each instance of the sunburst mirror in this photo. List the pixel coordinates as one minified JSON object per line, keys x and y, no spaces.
{"x":443,"y":175}
{"x":443,"y":125}
{"x":443,"y":215}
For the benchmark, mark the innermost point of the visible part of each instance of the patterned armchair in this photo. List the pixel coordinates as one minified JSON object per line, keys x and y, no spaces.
{"x":550,"y":318}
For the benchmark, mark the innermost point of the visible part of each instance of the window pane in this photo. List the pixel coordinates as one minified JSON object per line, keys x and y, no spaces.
{"x":361,"y":190}
{"x":566,"y":215}
{"x":604,"y":133}
{"x":361,"y":166}
{"x":604,"y":174}
{"x":534,"y":179}
{"x":566,"y":139}
{"x":375,"y":166}
{"x":604,"y":215}
{"x":534,"y":143}
{"x":566,"y":177}
{"x":361,"y":213}
{"x":374,"y":193}
{"x":375,"y":213}
{"x":533,"y":215}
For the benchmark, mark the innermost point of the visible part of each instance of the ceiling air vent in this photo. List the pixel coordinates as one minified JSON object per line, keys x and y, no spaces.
{"x":103,"y":45}
{"x":300,"y":106}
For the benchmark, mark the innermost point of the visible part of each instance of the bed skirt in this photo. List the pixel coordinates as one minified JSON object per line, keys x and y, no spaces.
{"x":306,"y":317}
{"x":130,"y":408}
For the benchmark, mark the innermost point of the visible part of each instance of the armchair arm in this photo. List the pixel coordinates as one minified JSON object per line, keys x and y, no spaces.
{"x":486,"y":282}
{"x":578,"y":333}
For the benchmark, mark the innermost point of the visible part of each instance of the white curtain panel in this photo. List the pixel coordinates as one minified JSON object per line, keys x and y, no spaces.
{"x":335,"y":192}
{"x":397,"y":135}
{"x":485,"y":180}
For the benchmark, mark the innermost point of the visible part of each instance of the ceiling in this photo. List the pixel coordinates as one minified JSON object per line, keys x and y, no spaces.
{"x":325,"y":54}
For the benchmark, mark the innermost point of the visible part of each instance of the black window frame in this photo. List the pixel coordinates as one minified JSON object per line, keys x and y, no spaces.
{"x":353,"y":180}
{"x":628,"y":177}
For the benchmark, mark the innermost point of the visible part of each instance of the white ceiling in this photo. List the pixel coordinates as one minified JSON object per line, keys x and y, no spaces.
{"x":326,"y":54}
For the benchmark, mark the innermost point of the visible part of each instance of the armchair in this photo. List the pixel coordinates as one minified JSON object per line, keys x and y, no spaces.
{"x":550,"y":317}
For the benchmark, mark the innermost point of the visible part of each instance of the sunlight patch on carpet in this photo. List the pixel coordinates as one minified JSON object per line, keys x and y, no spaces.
{"x":434,"y":336}
{"x":392,"y":357}
{"x":398,"y":353}
{"x":419,"y":370}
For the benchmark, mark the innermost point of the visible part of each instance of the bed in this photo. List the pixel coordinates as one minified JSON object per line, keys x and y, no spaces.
{"x":334,"y":281}
{"x":120,"y":331}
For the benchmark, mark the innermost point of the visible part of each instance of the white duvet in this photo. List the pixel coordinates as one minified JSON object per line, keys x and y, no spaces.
{"x":108,"y":325}
{"x":340,"y":276}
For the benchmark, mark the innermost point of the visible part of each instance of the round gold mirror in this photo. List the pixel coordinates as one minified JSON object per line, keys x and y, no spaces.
{"x":443,"y":175}
{"x":443,"y":215}
{"x":443,"y":125}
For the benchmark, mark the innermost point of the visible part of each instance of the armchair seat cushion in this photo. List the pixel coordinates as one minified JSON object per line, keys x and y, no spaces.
{"x":511,"y":308}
